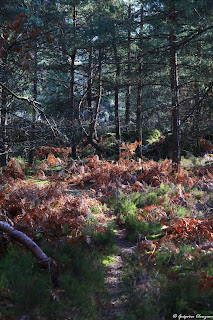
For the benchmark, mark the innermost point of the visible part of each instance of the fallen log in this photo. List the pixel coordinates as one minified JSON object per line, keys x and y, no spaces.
{"x":43,"y":259}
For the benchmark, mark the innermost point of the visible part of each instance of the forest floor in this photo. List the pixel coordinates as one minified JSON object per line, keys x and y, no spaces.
{"x":132,"y":239}
{"x":114,"y":306}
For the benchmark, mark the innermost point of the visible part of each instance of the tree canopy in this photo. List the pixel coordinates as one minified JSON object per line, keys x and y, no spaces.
{"x":96,"y":67}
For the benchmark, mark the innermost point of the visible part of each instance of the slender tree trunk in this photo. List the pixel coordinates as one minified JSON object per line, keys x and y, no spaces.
{"x":117,"y":119}
{"x":128,"y":92}
{"x":97,"y":107}
{"x":3,"y":128}
{"x":139,"y":98}
{"x":35,"y":93}
{"x":139,"y":87}
{"x":197,"y":116}
{"x":72,"y":87}
{"x":72,"y":103}
{"x":174,"y":89}
{"x":89,"y":94}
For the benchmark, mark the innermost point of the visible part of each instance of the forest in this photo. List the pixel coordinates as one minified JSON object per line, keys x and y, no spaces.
{"x":106,"y":159}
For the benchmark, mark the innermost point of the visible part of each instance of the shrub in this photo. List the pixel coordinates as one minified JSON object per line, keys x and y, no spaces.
{"x":124,"y":205}
{"x":137,"y":229}
{"x":198,"y":194}
{"x":163,"y":189}
{"x":181,"y":211}
{"x":152,"y":198}
{"x":129,"y":203}
{"x":103,"y":238}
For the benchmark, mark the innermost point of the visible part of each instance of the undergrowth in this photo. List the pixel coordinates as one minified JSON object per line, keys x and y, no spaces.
{"x":102,"y":237}
{"x":61,"y":204}
{"x":138,"y":223}
{"x":27,"y":290}
{"x":175,"y":280}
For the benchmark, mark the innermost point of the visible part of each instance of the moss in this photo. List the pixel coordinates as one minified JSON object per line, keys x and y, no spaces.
{"x":153,"y":136}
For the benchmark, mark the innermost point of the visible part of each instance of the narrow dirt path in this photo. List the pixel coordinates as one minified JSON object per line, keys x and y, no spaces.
{"x":114,"y":307}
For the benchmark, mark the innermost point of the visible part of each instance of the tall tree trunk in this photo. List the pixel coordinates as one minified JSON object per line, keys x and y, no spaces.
{"x":97,"y":107}
{"x":128,"y":92}
{"x":3,"y":101}
{"x":117,"y":75}
{"x":35,"y":93}
{"x":139,"y":87}
{"x":89,"y":93}
{"x":197,"y":116}
{"x":72,"y":87}
{"x":174,"y":89}
{"x":139,"y":98}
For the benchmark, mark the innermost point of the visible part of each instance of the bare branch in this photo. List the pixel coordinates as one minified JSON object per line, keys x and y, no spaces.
{"x":35,"y":104}
{"x":196,"y":104}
